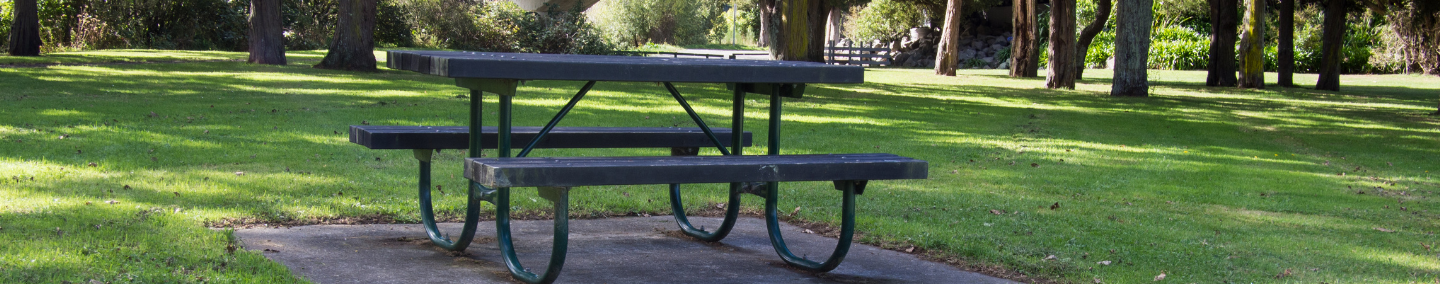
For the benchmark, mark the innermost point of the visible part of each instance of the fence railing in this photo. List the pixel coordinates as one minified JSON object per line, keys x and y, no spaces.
{"x":851,"y":55}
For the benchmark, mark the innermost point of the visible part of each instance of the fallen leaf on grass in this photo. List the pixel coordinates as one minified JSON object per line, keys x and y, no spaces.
{"x":1426,"y":246}
{"x":1160,"y":277}
{"x":911,"y":249}
{"x":1050,"y":257}
{"x":1097,"y":281}
{"x":796,"y":211}
{"x":1384,"y":230}
{"x":1055,"y":206}
{"x":1284,"y":274}
{"x":239,"y":173}
{"x":1103,"y":262}
{"x":112,"y":201}
{"x":996,"y":212}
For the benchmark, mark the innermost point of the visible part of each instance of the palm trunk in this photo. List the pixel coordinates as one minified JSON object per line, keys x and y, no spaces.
{"x":1332,"y":39}
{"x":25,"y":29}
{"x":1221,"y":66}
{"x":1286,"y":50}
{"x":945,"y":57}
{"x":1062,"y":45}
{"x":1252,"y":46}
{"x":1132,"y":48}
{"x":1087,"y":35}
{"x":354,"y":44}
{"x":1024,"y":50}
{"x":267,"y":41}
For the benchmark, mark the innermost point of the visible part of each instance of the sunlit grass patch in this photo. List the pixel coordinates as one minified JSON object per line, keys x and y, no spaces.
{"x":1204,"y":184}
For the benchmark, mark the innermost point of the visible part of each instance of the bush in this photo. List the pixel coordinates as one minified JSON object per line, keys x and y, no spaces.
{"x":500,"y":26}
{"x":637,"y":22}
{"x":884,"y":20}
{"x":5,"y":24}
{"x":1178,"y":48}
{"x":559,"y":32}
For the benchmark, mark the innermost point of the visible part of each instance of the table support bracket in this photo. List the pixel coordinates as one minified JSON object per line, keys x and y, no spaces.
{"x":699,"y":122}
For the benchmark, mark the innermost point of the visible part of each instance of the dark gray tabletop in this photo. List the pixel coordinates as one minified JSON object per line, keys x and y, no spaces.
{"x":570,"y":67}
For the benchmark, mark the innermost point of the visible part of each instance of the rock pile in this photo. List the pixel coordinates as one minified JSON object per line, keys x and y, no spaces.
{"x":975,"y":51}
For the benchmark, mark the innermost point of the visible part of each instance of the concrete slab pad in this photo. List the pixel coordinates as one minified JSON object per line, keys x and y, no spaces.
{"x":618,"y":250}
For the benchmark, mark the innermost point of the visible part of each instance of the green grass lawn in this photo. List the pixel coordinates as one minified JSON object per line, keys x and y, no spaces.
{"x":123,"y":172}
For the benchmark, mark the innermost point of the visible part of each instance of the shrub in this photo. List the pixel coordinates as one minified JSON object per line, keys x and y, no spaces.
{"x":636,"y":22}
{"x":884,"y":20}
{"x":559,"y":32}
{"x":1178,"y":48}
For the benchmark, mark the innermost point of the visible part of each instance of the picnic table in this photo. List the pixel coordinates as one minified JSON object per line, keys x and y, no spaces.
{"x":492,"y":178}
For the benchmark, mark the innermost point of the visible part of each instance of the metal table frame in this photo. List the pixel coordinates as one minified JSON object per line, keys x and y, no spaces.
{"x":505,"y":88}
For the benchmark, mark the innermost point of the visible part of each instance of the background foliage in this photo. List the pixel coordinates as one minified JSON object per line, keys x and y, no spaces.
{"x":684,"y":22}
{"x":69,"y":25}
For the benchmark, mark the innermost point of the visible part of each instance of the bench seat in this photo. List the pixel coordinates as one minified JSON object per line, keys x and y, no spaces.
{"x":588,"y":171}
{"x":458,"y":137}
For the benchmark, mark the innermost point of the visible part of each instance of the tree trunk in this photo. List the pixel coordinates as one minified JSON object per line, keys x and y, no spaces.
{"x":354,"y":44}
{"x":819,"y":16}
{"x":1132,"y":48}
{"x":1062,"y":45}
{"x":1286,"y":50}
{"x":1332,"y":39}
{"x":267,"y":41}
{"x":792,"y":31}
{"x":1252,"y":46}
{"x":1221,"y":66}
{"x":767,"y":24}
{"x":1024,"y":48}
{"x":945,"y":54}
{"x":25,"y":29}
{"x":835,"y":24}
{"x":1087,"y":35}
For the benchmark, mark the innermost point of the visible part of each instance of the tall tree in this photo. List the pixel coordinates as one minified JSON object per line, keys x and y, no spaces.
{"x":791,"y":31}
{"x":1087,"y":35}
{"x":1221,"y":67}
{"x":267,"y":40}
{"x":354,"y":44}
{"x":1024,"y":47}
{"x":1332,"y":38}
{"x":1252,"y":46}
{"x":1286,"y":51}
{"x":1132,"y":48}
{"x":1062,"y":45}
{"x":946,"y":55}
{"x":767,"y":22}
{"x":818,"y":15}
{"x":25,"y":29}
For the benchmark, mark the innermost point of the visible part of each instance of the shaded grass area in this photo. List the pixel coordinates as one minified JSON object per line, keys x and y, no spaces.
{"x":120,"y":56}
{"x":113,"y":172}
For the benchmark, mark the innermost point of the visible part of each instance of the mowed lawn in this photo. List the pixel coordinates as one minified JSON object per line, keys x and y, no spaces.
{"x":133,"y":172}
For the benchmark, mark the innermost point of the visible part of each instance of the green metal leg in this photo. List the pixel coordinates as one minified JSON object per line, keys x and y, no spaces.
{"x":847,"y":230}
{"x":476,"y":194}
{"x":561,"y":198}
{"x":732,"y":212}
{"x":772,"y":200}
{"x":732,"y":209}
{"x":427,"y":212}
